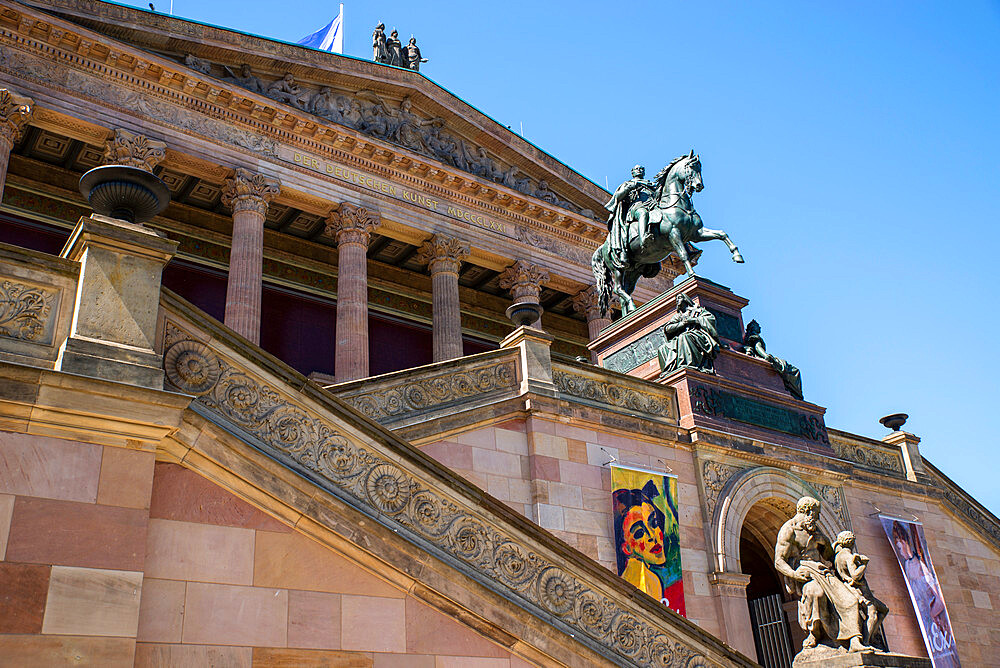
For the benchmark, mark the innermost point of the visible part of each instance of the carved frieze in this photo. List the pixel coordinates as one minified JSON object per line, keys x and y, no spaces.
{"x":24,"y":311}
{"x":617,"y":396}
{"x":868,"y":456}
{"x":15,"y":114}
{"x":719,"y":403}
{"x":132,"y":150}
{"x":380,"y":487}
{"x":636,"y":353}
{"x":424,"y":394}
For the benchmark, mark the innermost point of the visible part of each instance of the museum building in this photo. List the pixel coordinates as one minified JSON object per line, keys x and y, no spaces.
{"x":287,"y":421}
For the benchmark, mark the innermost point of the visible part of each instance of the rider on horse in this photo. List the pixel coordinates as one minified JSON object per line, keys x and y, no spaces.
{"x":635,"y":190}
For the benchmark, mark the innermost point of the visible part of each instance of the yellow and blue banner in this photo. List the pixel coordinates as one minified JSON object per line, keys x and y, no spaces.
{"x":647,"y":533}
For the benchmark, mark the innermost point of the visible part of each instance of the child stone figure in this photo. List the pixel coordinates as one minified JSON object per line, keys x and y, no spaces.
{"x":851,"y":568}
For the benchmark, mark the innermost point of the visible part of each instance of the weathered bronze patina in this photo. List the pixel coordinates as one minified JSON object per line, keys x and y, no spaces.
{"x":754,"y":346}
{"x":649,"y":221}
{"x":692,"y":342}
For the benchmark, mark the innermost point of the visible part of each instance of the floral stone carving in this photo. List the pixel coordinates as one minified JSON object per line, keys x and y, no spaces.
{"x":380,"y":488}
{"x":24,"y":311}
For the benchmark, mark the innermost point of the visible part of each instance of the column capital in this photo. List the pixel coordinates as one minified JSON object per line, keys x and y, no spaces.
{"x":587,"y":302}
{"x":524,"y":280}
{"x":443,"y":253}
{"x":248,"y":191}
{"x":134,"y":150}
{"x":352,"y":223}
{"x":15,"y":113}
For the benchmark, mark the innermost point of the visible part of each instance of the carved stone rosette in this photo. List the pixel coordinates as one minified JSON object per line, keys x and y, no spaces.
{"x":443,"y":253}
{"x":248,"y":191}
{"x":132,"y":150}
{"x":15,"y":114}
{"x":353,"y":224}
{"x":524,"y":281}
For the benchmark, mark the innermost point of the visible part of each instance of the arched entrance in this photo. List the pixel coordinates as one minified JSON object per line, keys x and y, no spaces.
{"x":772,"y":611}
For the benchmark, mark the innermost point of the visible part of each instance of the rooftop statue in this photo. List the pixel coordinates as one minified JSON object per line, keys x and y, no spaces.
{"x":395,"y":49}
{"x":836,"y":608}
{"x":754,"y":346}
{"x":380,"y":49}
{"x":692,"y":341}
{"x":411,"y":55}
{"x":648,"y":222}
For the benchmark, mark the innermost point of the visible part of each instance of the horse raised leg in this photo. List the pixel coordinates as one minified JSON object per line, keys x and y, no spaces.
{"x":677,"y":242}
{"x":705,"y":234}
{"x":617,"y":286}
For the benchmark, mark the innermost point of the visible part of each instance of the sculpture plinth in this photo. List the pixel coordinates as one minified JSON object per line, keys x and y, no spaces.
{"x":739,"y":392}
{"x":856,"y":660}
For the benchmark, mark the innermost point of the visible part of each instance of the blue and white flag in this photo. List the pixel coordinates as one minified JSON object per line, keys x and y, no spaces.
{"x":329,"y":38}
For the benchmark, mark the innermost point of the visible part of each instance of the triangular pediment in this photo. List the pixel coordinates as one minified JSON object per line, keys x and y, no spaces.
{"x":387,"y":103}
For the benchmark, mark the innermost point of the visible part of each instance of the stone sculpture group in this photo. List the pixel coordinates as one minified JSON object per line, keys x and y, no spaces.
{"x":390,"y":51}
{"x":367,"y":112}
{"x":837,"y":609}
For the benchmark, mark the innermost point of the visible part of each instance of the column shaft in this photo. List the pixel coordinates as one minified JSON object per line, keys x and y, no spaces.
{"x":246,"y":261}
{"x":5,"y":146}
{"x":352,"y":312}
{"x":447,"y":316}
{"x":247,"y":194}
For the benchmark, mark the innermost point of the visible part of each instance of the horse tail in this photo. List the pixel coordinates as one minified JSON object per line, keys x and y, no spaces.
{"x":602,"y":280}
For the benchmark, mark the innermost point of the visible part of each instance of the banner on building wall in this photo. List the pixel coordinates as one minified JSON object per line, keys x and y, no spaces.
{"x":647,"y":533}
{"x":907,"y":540}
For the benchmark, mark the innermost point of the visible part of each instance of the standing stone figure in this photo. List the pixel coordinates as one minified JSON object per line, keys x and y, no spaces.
{"x":753,"y":344}
{"x":380,"y":50}
{"x":692,"y":340}
{"x":412,"y":55}
{"x":851,"y":568}
{"x":395,"y":49}
{"x":636,"y":189}
{"x":245,"y":78}
{"x":830,"y":610}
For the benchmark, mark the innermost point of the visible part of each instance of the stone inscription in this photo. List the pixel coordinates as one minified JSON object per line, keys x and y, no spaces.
{"x":717,"y":403}
{"x":386,"y":188}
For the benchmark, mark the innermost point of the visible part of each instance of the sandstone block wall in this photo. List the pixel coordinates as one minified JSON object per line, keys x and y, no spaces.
{"x":110,"y":559}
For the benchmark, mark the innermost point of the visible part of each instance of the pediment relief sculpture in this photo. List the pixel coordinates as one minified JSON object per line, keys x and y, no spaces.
{"x":366,"y":112}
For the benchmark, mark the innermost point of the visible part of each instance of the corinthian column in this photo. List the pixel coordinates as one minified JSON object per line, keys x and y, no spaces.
{"x":352,"y":226}
{"x":444,"y":256}
{"x":132,"y":150}
{"x":587,"y":303}
{"x":524,"y":281}
{"x":247,"y":194}
{"x":15,"y":114}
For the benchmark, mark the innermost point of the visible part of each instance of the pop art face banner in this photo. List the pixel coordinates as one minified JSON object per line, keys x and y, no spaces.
{"x":647,"y":533}
{"x":907,"y":540}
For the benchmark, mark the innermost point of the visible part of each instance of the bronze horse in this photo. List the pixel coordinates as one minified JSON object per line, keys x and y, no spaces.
{"x":672,"y":223}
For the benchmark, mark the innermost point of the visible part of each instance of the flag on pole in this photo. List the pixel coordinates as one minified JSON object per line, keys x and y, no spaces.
{"x":329,"y":38}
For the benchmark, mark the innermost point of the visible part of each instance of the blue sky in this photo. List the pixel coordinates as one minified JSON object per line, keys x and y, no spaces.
{"x":850,"y":149}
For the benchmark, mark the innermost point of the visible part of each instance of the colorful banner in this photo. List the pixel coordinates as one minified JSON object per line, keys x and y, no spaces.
{"x":647,"y":533}
{"x":907,"y":540}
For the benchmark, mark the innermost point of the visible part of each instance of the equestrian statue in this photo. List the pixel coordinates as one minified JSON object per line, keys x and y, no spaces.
{"x":649,"y":221}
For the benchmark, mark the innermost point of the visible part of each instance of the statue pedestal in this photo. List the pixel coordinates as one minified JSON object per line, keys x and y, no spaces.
{"x":880,"y":659}
{"x":745,"y":395}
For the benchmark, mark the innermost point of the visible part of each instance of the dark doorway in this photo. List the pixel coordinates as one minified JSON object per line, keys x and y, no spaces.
{"x":766,"y":600}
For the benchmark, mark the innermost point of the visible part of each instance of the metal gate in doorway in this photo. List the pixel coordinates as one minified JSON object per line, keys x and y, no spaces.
{"x":770,"y":632}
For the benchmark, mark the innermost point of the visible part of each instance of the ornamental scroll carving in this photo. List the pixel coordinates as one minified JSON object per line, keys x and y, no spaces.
{"x":15,"y":114}
{"x":428,"y":393}
{"x":614,"y":395}
{"x":24,"y":311}
{"x":714,"y":476}
{"x":379,"y":487}
{"x":248,"y":191}
{"x":868,"y":456}
{"x":132,"y":150}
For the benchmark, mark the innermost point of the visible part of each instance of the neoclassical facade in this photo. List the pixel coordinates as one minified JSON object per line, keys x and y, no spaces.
{"x":287,"y":421}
